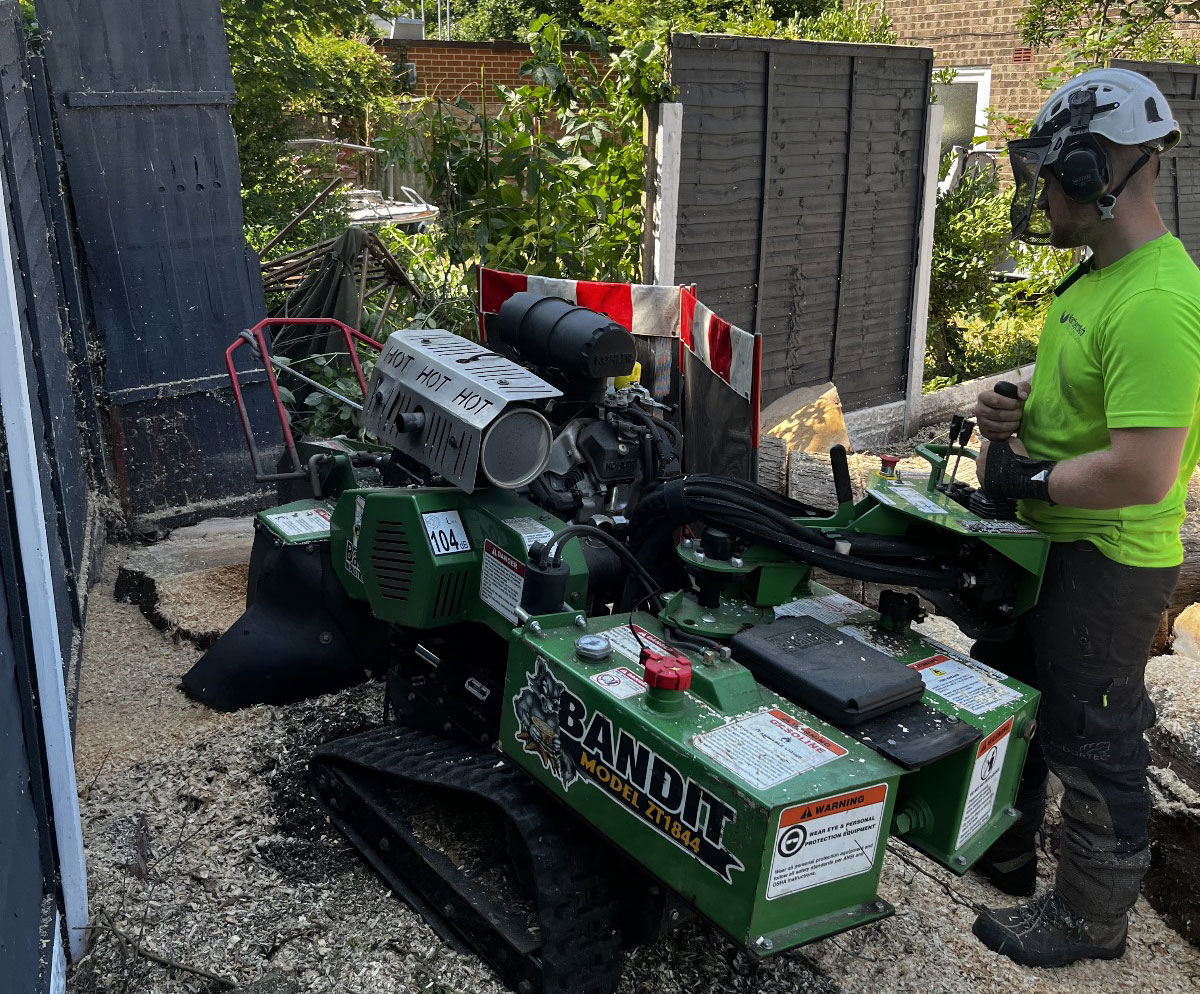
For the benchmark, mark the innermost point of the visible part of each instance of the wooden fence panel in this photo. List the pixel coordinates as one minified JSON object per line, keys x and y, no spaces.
{"x":800,"y":195}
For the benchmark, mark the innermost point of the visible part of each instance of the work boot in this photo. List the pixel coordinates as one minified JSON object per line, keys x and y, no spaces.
{"x":1045,"y":932}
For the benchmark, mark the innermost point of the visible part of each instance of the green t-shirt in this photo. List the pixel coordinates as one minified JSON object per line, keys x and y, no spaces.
{"x":1120,"y":349}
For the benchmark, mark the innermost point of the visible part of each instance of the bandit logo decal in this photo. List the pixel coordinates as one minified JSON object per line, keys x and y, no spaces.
{"x":537,"y":709}
{"x":574,"y":744}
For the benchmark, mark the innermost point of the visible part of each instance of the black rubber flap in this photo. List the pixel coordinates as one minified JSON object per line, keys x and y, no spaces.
{"x":843,"y":680}
{"x":915,"y":736}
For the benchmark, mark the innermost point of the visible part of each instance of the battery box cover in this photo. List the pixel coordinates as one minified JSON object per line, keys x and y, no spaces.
{"x":835,"y":676}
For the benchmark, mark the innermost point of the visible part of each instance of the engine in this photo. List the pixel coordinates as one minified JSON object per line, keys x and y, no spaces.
{"x":552,"y":412}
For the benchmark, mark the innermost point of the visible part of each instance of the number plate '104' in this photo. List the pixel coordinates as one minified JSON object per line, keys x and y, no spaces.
{"x":445,"y":532}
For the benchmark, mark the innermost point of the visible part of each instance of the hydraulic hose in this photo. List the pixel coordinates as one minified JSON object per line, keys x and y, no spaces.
{"x":552,"y":552}
{"x":675,"y":502}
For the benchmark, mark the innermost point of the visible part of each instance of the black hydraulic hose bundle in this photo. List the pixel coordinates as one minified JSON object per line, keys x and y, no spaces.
{"x":761,"y":516}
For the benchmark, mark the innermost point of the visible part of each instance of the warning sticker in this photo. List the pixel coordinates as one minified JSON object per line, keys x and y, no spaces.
{"x":964,"y":686}
{"x":985,"y":783}
{"x":620,"y":682}
{"x":831,"y":609}
{"x":501,"y":580}
{"x":530,"y":531}
{"x":768,"y":748}
{"x":826,"y":840}
{"x":313,"y":522}
{"x":919,"y":500}
{"x":360,"y":504}
{"x":967,"y":661}
{"x":627,"y":644}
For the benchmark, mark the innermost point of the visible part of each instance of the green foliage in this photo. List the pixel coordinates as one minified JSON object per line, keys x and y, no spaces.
{"x":542,"y":178}
{"x":447,"y":289}
{"x":638,"y":19}
{"x":855,"y":21}
{"x":1089,"y":33}
{"x":978,"y":325}
{"x":654,"y":19}
{"x":279,"y":195}
{"x":350,"y":82}
{"x":988,"y":346}
{"x":508,"y":20}
{"x":276,"y":67}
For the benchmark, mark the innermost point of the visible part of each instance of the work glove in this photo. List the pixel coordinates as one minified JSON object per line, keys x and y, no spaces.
{"x":1007,"y":474}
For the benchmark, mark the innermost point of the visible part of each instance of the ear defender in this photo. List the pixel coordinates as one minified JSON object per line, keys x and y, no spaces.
{"x":1083,"y":169}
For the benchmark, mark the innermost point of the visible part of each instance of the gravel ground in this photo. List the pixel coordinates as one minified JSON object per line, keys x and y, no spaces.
{"x":204,"y":849}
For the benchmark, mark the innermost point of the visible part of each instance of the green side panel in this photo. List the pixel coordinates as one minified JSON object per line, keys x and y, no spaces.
{"x":707,"y":799}
{"x":429,"y":557}
{"x":954,"y":809}
{"x":301,"y":522}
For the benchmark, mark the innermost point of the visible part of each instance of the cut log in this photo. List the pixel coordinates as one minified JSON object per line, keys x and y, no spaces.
{"x":809,"y":419}
{"x":773,"y":464}
{"x":1173,"y":884}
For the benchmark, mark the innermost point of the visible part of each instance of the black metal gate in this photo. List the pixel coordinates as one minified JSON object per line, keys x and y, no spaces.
{"x":141,"y":92}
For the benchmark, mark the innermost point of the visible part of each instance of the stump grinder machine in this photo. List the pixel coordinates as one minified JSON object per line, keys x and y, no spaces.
{"x":629,"y":673}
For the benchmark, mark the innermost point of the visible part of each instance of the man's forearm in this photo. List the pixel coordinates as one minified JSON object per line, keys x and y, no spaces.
{"x":1100,"y":481}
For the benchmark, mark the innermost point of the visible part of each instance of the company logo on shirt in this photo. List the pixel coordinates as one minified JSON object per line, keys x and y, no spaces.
{"x":1068,"y":318}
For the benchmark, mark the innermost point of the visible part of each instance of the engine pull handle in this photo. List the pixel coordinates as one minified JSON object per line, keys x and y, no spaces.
{"x":1006,"y":389}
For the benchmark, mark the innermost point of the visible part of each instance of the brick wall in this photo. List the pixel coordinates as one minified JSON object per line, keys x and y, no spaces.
{"x":978,"y":33}
{"x":450,"y":69}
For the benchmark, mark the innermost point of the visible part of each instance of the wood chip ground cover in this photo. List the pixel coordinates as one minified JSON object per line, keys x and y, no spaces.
{"x":204,"y":848}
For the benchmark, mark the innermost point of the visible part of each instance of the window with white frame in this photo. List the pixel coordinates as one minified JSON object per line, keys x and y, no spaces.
{"x":966,"y":100}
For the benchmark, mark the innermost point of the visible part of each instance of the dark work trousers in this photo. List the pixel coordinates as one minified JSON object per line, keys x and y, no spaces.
{"x":1084,"y":646}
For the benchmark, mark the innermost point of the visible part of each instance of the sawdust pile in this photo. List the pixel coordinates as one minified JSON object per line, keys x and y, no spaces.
{"x":204,"y":848}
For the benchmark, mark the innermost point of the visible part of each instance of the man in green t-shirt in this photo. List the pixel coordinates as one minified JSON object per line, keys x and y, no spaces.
{"x":1098,"y":450}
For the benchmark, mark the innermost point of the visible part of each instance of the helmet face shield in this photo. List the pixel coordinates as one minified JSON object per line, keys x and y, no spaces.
{"x":1027,"y":158}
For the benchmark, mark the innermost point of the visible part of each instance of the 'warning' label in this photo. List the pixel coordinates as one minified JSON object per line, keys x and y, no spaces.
{"x":620,"y":682}
{"x":768,"y":748}
{"x":832,"y":609}
{"x":501,"y":580}
{"x":985,"y":783}
{"x":625,"y":639}
{"x":826,"y":840}
{"x":530,"y":531}
{"x":313,"y":522}
{"x":965,"y":687}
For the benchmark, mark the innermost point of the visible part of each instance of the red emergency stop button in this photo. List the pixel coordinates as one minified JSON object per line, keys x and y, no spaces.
{"x":665,"y":672}
{"x":887,"y":465}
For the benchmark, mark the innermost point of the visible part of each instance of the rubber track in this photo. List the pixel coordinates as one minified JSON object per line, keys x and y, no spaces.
{"x":580,"y":946}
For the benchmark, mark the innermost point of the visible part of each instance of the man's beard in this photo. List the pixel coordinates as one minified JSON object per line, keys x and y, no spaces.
{"x":1067,"y":234}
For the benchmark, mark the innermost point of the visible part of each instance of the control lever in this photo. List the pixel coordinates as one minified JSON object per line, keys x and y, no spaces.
{"x":966,"y":430}
{"x":956,"y":421}
{"x":841,"y":475}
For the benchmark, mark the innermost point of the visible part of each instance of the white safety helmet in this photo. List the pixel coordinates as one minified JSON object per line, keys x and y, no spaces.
{"x":1118,"y":104}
